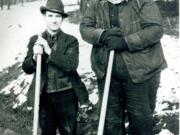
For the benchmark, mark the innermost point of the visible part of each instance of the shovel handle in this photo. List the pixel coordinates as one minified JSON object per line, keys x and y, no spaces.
{"x":105,"y":94}
{"x":37,"y":95}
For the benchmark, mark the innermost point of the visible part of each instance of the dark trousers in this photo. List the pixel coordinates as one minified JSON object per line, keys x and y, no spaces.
{"x":134,"y":100}
{"x":58,"y":111}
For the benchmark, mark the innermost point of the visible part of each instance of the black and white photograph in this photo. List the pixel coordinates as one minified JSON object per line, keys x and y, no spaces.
{"x":89,"y":67}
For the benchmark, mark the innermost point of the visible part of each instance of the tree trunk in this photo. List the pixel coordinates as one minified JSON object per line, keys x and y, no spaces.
{"x":2,"y":4}
{"x":78,"y":2}
{"x":22,"y":2}
{"x":8,"y":4}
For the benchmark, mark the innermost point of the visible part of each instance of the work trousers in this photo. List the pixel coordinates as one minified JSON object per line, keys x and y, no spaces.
{"x":58,"y":111}
{"x":127,"y":99}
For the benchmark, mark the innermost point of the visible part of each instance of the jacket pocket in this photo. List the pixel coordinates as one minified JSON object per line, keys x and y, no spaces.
{"x":151,"y":58}
{"x":62,"y":83}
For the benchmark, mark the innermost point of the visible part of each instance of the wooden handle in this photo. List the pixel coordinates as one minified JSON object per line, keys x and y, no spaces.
{"x":37,"y":95}
{"x":106,"y":94}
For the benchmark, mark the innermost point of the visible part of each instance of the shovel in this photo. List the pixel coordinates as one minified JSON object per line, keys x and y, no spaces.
{"x":106,"y":94}
{"x":37,"y":93}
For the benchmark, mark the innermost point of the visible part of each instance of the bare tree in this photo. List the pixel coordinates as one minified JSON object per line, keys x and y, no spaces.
{"x":78,"y":2}
{"x":2,"y":4}
{"x":15,"y":2}
{"x":8,"y":4}
{"x":22,"y":2}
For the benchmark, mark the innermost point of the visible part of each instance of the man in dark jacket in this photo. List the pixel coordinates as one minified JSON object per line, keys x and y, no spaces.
{"x":61,"y":87}
{"x":132,"y":28}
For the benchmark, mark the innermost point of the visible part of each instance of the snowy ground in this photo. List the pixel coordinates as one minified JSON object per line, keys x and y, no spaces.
{"x":19,"y":23}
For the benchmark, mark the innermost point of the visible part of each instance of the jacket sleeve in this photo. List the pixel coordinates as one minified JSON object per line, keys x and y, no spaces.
{"x":68,"y":60}
{"x":151,"y":32}
{"x":88,"y":29}
{"x":29,"y":65}
{"x":79,"y":87}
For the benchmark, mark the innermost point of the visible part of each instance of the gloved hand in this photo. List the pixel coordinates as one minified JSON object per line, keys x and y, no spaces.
{"x":116,"y":43}
{"x":110,"y":32}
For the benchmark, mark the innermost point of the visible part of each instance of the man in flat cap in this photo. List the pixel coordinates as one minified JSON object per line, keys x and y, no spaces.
{"x":61,"y":87}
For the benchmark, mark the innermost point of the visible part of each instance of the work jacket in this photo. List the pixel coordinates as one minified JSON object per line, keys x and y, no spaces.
{"x":64,"y":59}
{"x":140,"y":22}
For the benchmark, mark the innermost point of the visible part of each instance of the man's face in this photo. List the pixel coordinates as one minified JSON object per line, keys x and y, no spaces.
{"x":53,"y":20}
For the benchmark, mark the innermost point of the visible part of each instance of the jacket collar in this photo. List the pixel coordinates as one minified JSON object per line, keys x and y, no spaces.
{"x":47,"y":35}
{"x":61,"y":45}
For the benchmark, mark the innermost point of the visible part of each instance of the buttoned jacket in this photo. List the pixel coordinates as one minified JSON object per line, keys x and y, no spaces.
{"x":141,"y":25}
{"x":64,"y":59}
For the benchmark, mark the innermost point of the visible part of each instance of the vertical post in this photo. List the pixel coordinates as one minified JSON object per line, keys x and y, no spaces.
{"x":8,"y":4}
{"x":2,"y":4}
{"x":37,"y":95}
{"x":106,"y":94}
{"x":22,"y":3}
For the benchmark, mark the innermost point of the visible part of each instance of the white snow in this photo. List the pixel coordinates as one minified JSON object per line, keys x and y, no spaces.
{"x":19,"y":23}
{"x":165,"y":132}
{"x":169,"y":87}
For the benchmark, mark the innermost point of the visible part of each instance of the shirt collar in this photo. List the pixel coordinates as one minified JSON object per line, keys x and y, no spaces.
{"x":52,"y":37}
